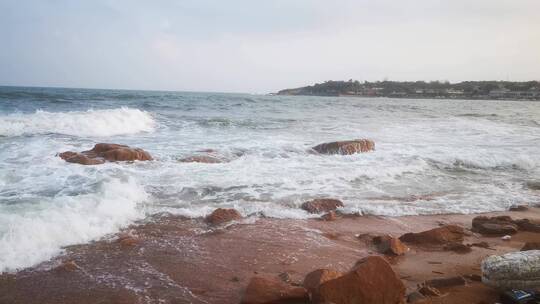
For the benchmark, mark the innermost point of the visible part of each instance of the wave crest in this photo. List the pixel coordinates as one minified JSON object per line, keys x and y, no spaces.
{"x":96,"y":123}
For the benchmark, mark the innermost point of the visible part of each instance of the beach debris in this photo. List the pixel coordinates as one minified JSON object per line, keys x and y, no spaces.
{"x":518,"y":208}
{"x":346,"y":147}
{"x":222,"y":215}
{"x":262,"y":290}
{"x":445,"y":282}
{"x":437,"y":236}
{"x":105,"y":152}
{"x":498,"y":225}
{"x":515,"y":270}
{"x":531,"y":246}
{"x":457,"y":247}
{"x":322,"y":205}
{"x":371,"y":280}
{"x":506,"y":238}
{"x":314,"y":279}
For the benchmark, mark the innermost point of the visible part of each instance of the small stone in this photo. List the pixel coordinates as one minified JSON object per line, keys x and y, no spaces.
{"x":457,"y":248}
{"x":322,"y":205}
{"x":221,"y":216}
{"x":429,"y":291}
{"x":506,"y":238}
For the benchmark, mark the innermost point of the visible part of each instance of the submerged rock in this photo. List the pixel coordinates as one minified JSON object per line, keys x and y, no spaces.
{"x":499,"y":225}
{"x":372,"y":280}
{"x":322,"y":205}
{"x":346,"y":147}
{"x":273,"y":291}
{"x":221,"y":215}
{"x":206,"y":159}
{"x":516,"y":270}
{"x":518,"y":208}
{"x":437,"y":236}
{"x":533,"y":185}
{"x":105,"y":152}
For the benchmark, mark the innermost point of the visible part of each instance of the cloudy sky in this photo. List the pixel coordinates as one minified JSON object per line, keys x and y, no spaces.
{"x":261,"y":46}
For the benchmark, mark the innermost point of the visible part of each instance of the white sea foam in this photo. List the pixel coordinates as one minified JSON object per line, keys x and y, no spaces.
{"x":78,"y":123}
{"x":34,"y":233}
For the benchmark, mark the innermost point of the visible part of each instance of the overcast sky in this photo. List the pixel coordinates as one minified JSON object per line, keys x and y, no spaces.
{"x":263,"y":46}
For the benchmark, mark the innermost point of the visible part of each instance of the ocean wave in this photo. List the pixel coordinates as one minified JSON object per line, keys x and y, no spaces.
{"x":38,"y":232}
{"x":108,"y":122}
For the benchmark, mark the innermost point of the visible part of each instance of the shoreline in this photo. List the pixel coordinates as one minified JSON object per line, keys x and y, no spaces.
{"x":178,"y":260}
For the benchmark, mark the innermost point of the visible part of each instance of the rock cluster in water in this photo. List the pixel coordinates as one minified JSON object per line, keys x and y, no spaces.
{"x":105,"y":152}
{"x":346,"y":147}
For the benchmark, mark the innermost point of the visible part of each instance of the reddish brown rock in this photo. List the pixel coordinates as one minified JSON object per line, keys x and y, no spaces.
{"x":528,"y":225}
{"x":372,"y":280}
{"x":429,"y":291}
{"x":531,"y":246}
{"x":105,"y":152}
{"x":67,"y":266}
{"x":457,"y":248}
{"x":206,"y":159}
{"x":221,"y":215}
{"x":346,"y":147}
{"x":322,"y":205}
{"x":417,"y":298}
{"x":392,"y":246}
{"x":437,"y":236}
{"x":314,"y":279}
{"x":273,"y":291}
{"x":499,"y":225}
{"x":330,"y":216}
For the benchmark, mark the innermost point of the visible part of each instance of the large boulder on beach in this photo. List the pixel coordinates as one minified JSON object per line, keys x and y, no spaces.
{"x":437,"y":236}
{"x":371,"y":280}
{"x":346,"y":147}
{"x":105,"y":152}
{"x":222,"y":215}
{"x":515,"y":270}
{"x":322,"y":205}
{"x":273,"y":291}
{"x":498,"y":225}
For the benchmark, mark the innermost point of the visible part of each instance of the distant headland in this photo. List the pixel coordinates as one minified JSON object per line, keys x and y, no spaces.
{"x":529,"y":90}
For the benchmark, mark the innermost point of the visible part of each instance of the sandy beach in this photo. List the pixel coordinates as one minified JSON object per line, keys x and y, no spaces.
{"x":178,"y":260}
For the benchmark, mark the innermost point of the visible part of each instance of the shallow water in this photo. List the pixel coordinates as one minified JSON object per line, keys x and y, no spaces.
{"x":432,"y":156}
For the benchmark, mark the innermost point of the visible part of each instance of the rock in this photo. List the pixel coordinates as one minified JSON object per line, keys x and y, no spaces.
{"x":330,"y":216}
{"x":273,"y":291}
{"x":429,"y":291}
{"x":436,"y":236}
{"x":446,"y":282}
{"x":221,"y":215}
{"x":372,"y":280}
{"x":499,"y":225}
{"x":285,"y":277}
{"x":314,"y":279}
{"x":206,"y":159}
{"x":480,"y":245}
{"x":533,"y":185}
{"x":457,"y":247}
{"x":129,"y":242}
{"x":527,"y":225}
{"x":392,"y":246}
{"x":105,"y":152}
{"x":473,"y":277}
{"x":346,"y":147}
{"x":531,"y":246}
{"x":321,"y":205}
{"x":67,"y":266}
{"x":518,"y":208}
{"x":515,"y":270}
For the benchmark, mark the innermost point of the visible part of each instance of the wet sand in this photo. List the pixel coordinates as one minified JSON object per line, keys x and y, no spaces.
{"x":177,"y":260}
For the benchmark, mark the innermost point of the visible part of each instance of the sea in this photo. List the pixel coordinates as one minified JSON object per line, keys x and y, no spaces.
{"x":431,"y":157}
